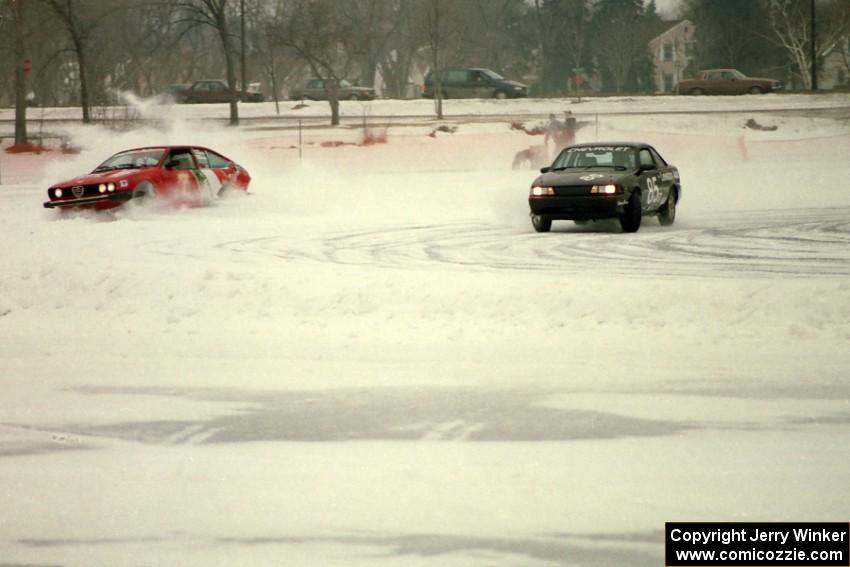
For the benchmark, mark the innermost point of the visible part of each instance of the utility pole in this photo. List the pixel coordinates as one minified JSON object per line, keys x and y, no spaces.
{"x":814,"y":50}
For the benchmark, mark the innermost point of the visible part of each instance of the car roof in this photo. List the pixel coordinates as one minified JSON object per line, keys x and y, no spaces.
{"x":168,"y":147}
{"x":615,"y":143}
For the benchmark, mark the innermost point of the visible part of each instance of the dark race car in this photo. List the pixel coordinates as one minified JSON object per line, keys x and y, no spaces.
{"x":181,"y":175}
{"x":622,"y":180}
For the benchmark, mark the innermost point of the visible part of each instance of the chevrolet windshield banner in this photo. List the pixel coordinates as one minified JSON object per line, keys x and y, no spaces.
{"x":749,"y":544}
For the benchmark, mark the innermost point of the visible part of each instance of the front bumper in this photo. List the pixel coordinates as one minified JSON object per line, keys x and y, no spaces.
{"x":584,"y":207}
{"x":110,"y":199}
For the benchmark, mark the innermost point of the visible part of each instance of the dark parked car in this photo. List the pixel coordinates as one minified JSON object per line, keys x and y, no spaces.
{"x":317,"y":89}
{"x":214,"y":90}
{"x":726,"y":82}
{"x":474,"y":83}
{"x":623,"y":180}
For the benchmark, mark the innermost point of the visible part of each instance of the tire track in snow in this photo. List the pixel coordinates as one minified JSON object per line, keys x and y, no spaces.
{"x":797,"y":243}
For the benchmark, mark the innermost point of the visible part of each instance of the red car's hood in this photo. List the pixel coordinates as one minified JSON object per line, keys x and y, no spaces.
{"x":100,"y":177}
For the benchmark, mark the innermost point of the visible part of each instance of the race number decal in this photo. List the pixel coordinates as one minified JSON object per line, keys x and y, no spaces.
{"x":653,"y":192}
{"x":210,"y":185}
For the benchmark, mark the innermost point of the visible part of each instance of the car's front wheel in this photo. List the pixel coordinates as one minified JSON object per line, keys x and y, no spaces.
{"x":541,"y":223}
{"x":144,"y":195}
{"x":756,"y":90}
{"x":697,"y":91}
{"x":501,"y":95}
{"x":667,"y":213}
{"x":631,"y":216}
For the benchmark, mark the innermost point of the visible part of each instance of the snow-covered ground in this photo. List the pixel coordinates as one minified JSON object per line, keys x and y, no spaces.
{"x":374,"y":360}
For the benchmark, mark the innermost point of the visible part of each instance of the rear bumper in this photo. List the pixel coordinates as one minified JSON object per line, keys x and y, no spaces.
{"x":589,"y":207}
{"x":113,"y":199}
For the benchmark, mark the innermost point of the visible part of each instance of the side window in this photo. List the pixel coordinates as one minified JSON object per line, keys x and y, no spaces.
{"x":645,"y":157}
{"x":658,"y":159}
{"x":180,"y":159}
{"x":317,"y":84}
{"x":201,"y":158}
{"x":456,"y":76}
{"x":216,"y":161}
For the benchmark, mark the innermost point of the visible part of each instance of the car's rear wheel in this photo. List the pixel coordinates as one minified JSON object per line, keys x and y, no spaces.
{"x":756,"y":90}
{"x":541,"y":223}
{"x":667,"y":213}
{"x":353,"y":97}
{"x":631,"y":216}
{"x":697,"y":91}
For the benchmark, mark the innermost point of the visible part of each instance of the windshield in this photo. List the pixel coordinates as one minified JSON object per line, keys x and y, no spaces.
{"x":493,"y":74}
{"x":619,"y":157}
{"x":133,"y":159}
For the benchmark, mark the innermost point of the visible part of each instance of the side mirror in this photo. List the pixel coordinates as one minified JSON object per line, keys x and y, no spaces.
{"x":545,"y":169}
{"x":646,"y":167}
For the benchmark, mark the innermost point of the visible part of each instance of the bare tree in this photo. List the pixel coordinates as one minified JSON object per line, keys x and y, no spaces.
{"x":314,"y":29}
{"x":378,"y":21}
{"x":18,"y":14}
{"x":214,"y":13}
{"x":436,"y":44}
{"x":790,"y":21}
{"x":79,"y":32}
{"x":403,"y":45}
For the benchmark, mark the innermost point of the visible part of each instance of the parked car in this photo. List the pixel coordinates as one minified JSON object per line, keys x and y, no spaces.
{"x":317,"y":89}
{"x":622,"y":180}
{"x":214,"y":90}
{"x":181,"y":175}
{"x":172,"y":93}
{"x":726,"y":82}
{"x":474,"y":83}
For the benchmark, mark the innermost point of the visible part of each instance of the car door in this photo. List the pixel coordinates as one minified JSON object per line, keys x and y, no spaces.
{"x":480,"y":86}
{"x":730,"y":83}
{"x":219,"y":92}
{"x":455,"y":84}
{"x":315,"y":90}
{"x":179,"y":181}
{"x":651,"y":180}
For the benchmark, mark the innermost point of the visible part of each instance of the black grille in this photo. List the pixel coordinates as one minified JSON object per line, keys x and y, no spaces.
{"x":573,"y":190}
{"x":73,"y":191}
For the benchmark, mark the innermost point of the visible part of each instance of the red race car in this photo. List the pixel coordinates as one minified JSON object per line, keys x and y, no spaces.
{"x":181,"y":175}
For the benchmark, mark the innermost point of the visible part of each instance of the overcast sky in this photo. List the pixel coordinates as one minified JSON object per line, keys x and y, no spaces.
{"x":668,"y":7}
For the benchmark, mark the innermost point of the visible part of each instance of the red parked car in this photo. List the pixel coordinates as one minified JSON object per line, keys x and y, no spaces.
{"x":182,"y":175}
{"x":726,"y":82}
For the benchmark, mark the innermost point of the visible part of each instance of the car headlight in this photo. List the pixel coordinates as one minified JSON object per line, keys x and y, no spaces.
{"x":57,"y":193}
{"x":604,"y":189}
{"x":102,"y":188}
{"x":110,"y":187}
{"x":518,"y":88}
{"x":537,"y":191}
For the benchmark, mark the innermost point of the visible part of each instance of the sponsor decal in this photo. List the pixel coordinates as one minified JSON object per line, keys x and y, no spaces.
{"x":78,"y":190}
{"x":591,"y":177}
{"x":123,"y":183}
{"x":595,"y":149}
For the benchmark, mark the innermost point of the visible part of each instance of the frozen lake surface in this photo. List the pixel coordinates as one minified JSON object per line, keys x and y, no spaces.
{"x":372,"y":359}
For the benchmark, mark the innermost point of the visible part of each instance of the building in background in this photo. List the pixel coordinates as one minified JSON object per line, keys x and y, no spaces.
{"x":672,"y":52}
